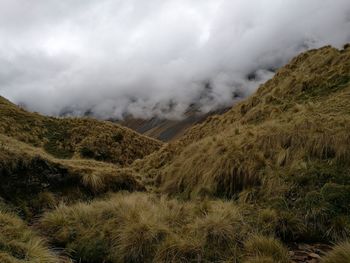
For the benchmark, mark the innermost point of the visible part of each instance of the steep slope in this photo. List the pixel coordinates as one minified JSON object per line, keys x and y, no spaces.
{"x":311,"y":88}
{"x":287,"y":147}
{"x":168,"y":130}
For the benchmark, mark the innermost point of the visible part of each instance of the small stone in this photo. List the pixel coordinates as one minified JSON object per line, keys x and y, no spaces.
{"x":314,"y":255}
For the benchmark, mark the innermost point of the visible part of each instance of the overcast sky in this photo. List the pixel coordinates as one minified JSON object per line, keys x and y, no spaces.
{"x":154,"y":57}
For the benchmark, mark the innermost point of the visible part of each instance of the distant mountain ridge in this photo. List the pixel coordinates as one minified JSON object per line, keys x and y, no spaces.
{"x":168,"y":130}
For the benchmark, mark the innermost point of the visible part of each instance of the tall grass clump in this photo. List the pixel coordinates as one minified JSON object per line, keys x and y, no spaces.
{"x":20,"y":244}
{"x":222,"y":230}
{"x":339,"y":254}
{"x":265,"y":249}
{"x":141,"y":227}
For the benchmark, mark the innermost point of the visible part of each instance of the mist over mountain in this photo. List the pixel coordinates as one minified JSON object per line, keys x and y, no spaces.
{"x":154,"y":58}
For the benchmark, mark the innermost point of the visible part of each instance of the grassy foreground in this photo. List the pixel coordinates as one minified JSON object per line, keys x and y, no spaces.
{"x":147,"y":228}
{"x":240,"y":187}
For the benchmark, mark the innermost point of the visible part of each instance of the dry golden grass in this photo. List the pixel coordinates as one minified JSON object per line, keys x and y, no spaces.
{"x":265,"y":249}
{"x":20,"y":244}
{"x":340,"y":254}
{"x":142,"y":227}
{"x":288,"y":139}
{"x":294,"y":117}
{"x":224,"y":165}
{"x":33,"y":180}
{"x":68,"y":137}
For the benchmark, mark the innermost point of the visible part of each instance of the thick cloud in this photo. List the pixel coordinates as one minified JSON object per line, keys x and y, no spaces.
{"x":154,"y":57}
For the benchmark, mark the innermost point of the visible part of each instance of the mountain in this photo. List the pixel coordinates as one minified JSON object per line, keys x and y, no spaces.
{"x":285,"y":148}
{"x":165,"y":129}
{"x":258,"y":183}
{"x":300,"y":117}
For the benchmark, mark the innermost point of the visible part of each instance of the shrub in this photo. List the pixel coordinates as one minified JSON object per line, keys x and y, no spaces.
{"x":290,"y":226}
{"x":118,"y":137}
{"x":86,"y":152}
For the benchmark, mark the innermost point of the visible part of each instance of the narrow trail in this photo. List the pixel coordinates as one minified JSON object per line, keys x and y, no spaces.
{"x":308,"y":253}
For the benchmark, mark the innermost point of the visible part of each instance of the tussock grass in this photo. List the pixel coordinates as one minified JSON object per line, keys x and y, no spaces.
{"x":275,"y":114}
{"x":68,"y":137}
{"x":20,"y":244}
{"x":222,"y":230}
{"x":285,"y":148}
{"x":141,"y":227}
{"x":179,"y":249}
{"x":33,"y":180}
{"x":226,"y":164}
{"x":340,"y":254}
{"x":265,"y":249}
{"x":138,"y":241}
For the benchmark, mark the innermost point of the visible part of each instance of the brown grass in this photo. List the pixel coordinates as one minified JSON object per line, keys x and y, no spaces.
{"x":340,"y":254}
{"x":265,"y":249}
{"x":288,"y":139}
{"x":142,"y":227}
{"x":33,"y":180}
{"x":68,"y":137}
{"x":20,"y":244}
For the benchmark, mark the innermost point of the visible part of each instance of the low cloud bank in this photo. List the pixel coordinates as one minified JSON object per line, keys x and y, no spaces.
{"x":154,"y":58}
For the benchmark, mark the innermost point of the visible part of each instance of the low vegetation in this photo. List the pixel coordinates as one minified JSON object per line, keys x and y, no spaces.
{"x":75,"y":137}
{"x":240,"y":187}
{"x":287,"y":148}
{"x":34,"y":181}
{"x":147,"y":228}
{"x":340,"y":254}
{"x":20,"y":244}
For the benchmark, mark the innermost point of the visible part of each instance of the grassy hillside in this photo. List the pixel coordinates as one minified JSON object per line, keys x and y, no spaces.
{"x":33,"y":180}
{"x":45,"y":160}
{"x":75,"y":137}
{"x":287,"y":147}
{"x":246,"y":186}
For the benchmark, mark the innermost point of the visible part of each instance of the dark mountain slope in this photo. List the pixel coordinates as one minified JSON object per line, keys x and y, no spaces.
{"x":168,"y":130}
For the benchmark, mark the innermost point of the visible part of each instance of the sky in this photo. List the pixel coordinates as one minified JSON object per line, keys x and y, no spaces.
{"x":154,"y":58}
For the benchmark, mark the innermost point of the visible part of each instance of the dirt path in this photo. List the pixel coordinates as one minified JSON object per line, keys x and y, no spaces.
{"x":308,"y":253}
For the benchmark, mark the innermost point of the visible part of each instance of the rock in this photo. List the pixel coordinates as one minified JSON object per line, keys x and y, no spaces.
{"x":314,"y":255}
